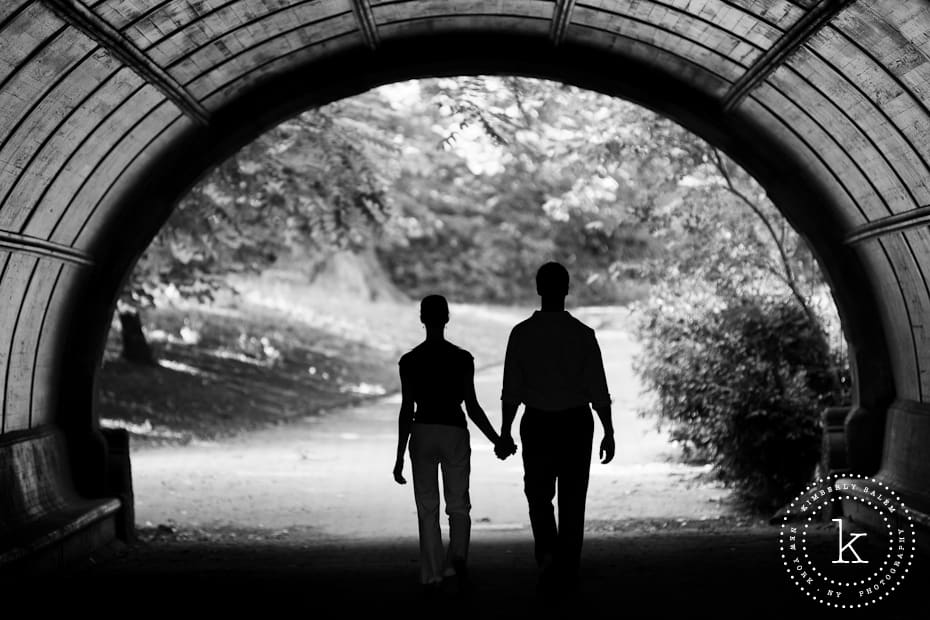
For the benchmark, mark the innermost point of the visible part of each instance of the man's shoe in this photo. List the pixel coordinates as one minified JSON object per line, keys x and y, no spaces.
{"x":464,"y":584}
{"x":568,"y":583}
{"x":433,"y":590}
{"x":547,"y":587}
{"x":450,"y":585}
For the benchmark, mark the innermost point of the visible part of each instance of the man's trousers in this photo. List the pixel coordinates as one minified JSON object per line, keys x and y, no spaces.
{"x":557,"y":454}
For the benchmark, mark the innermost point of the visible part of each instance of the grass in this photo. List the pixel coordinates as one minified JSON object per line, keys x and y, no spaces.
{"x":280,"y":351}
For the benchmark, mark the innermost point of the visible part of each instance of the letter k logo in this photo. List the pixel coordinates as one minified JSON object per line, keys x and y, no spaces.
{"x":853,"y":537}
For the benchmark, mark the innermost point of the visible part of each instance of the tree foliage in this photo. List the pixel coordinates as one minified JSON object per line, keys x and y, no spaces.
{"x":741,"y":385}
{"x":319,"y":180}
{"x":466,"y":185}
{"x":469,"y":183}
{"x":631,"y":178}
{"x":484,"y":214}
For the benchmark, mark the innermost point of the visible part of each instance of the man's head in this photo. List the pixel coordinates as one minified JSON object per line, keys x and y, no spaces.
{"x":434,"y":311}
{"x":552,"y":280}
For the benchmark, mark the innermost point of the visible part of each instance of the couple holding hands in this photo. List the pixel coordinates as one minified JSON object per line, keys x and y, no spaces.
{"x":553,"y":366}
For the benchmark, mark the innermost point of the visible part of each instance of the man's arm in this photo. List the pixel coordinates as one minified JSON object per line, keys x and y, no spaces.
{"x":596,"y":384}
{"x":404,"y":423}
{"x":507,"y":446}
{"x":508,"y":414}
{"x":607,"y":444}
{"x":511,"y":396}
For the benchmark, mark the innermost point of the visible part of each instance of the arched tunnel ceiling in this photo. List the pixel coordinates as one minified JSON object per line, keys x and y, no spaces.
{"x":91,"y":90}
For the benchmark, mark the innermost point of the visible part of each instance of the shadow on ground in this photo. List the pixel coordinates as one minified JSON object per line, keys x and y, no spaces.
{"x":735,"y":574}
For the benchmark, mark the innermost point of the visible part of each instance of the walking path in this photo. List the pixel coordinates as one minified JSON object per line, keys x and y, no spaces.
{"x":305,"y":518}
{"x":332,"y":472}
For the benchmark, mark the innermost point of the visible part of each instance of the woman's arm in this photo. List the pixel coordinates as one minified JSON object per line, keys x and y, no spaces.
{"x":404,"y":422}
{"x":474,"y":410}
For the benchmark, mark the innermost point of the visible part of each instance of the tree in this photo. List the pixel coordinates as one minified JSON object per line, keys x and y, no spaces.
{"x":624,"y":167}
{"x":319,"y":180}
{"x":492,"y":188}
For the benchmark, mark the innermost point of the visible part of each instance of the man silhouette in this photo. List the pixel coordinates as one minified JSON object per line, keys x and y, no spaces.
{"x":553,"y":366}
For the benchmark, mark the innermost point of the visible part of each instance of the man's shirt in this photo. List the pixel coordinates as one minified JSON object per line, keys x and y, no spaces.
{"x":553,"y":362}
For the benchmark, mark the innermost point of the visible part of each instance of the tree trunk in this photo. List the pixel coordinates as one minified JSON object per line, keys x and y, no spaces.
{"x":356,"y":274}
{"x":136,"y":348}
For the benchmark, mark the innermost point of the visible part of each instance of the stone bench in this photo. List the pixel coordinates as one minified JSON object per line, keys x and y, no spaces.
{"x":40,"y":510}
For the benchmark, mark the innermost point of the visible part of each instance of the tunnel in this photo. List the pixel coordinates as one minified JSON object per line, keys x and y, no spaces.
{"x":110,"y":110}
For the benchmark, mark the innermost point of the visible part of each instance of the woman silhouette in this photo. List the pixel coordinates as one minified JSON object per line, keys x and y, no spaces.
{"x":436,"y":378}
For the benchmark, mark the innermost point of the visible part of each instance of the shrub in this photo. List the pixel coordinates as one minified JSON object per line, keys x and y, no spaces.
{"x":741,"y":385}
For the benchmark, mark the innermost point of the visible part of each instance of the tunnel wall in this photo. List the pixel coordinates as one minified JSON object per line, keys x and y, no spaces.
{"x":111,"y":109}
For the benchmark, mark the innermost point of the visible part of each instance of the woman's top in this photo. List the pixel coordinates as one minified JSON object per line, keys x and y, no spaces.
{"x":436,"y":375}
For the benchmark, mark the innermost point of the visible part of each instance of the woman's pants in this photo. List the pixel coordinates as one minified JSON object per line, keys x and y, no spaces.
{"x":436,"y":448}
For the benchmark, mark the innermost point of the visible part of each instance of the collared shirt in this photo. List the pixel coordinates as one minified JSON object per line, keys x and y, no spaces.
{"x":553,"y":362}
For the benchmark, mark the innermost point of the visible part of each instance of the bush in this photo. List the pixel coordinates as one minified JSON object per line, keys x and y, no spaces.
{"x":741,"y":386}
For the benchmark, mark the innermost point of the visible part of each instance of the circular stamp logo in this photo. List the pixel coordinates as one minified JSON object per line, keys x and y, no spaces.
{"x":838,"y":562}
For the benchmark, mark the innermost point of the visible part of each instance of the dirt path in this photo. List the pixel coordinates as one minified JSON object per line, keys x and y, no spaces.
{"x":331,"y":473}
{"x":306,"y":516}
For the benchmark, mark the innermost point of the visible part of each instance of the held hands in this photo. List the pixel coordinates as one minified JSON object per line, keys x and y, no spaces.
{"x":504,"y":447}
{"x":607,"y":449}
{"x":399,"y":472}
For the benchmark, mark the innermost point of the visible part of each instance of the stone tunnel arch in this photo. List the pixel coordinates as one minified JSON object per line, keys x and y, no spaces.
{"x":131,"y":102}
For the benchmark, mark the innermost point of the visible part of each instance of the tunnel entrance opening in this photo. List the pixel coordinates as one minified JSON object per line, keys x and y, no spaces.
{"x":735,"y":136}
{"x":327,"y":480}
